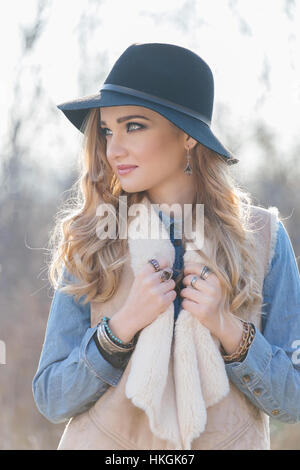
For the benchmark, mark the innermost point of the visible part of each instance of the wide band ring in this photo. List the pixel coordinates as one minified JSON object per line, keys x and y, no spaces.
{"x":154,"y":263}
{"x":166,"y":274}
{"x":205,"y":273}
{"x":193,"y":280}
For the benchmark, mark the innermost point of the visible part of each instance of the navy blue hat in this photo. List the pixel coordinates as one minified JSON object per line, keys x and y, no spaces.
{"x":169,"y":79}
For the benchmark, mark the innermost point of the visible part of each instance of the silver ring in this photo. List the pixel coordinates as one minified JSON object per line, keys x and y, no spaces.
{"x":154,"y":263}
{"x":166,"y":274}
{"x":193,"y":280}
{"x":205,"y":273}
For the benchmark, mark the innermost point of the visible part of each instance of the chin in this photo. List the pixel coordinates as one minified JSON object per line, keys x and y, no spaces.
{"x":129,"y":190}
{"x":133,"y":188}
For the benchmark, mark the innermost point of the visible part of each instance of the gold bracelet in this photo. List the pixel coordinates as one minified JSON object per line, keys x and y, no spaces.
{"x":246,"y":341}
{"x":242,"y":346}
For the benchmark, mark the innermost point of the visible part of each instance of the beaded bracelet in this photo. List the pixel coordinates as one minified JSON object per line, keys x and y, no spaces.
{"x":246,"y":341}
{"x":107,"y":344}
{"x":116,"y":340}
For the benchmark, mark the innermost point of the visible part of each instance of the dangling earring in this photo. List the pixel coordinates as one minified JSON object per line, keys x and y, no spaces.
{"x":188,"y":169}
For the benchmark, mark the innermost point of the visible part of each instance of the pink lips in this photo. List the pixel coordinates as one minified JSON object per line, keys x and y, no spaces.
{"x":124,"y":169}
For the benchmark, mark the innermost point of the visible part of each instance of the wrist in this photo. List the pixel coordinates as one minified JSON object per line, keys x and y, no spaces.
{"x":231,"y":334}
{"x":122,"y":326}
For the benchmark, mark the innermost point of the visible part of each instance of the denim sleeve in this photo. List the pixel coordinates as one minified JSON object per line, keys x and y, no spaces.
{"x":270,"y":374}
{"x":71,"y":374}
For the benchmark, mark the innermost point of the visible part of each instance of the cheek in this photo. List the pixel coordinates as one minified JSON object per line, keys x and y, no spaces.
{"x":162,"y":152}
{"x":109,"y":160}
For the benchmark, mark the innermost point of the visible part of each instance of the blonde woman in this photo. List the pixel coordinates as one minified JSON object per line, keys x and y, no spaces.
{"x":183,"y":340}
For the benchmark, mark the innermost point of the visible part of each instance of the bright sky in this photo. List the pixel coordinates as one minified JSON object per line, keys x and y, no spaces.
{"x":208,"y":27}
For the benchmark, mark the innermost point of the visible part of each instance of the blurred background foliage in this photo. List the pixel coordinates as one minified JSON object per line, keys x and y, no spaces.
{"x":32,"y":191}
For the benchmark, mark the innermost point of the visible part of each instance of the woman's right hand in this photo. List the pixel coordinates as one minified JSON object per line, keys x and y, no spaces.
{"x":147,"y":299}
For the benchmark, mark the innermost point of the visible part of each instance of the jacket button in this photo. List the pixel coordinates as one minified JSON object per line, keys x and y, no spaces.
{"x":257,"y":391}
{"x":275,"y":412}
{"x":246,"y":378}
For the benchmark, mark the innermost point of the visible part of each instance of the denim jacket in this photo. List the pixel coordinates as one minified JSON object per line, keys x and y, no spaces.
{"x":72,"y":375}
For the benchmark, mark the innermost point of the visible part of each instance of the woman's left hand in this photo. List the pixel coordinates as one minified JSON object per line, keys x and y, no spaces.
{"x":205,"y":300}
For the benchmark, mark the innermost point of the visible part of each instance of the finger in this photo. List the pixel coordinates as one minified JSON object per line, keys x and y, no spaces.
{"x":188,"y":279}
{"x":199,"y":284}
{"x":193,"y":268}
{"x":191,"y":294}
{"x":170,"y":296}
{"x":157,"y":275}
{"x":154,"y":280}
{"x":166,"y":286}
{"x":190,"y":306}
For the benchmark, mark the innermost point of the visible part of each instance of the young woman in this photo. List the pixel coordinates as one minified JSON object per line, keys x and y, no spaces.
{"x":166,"y":342}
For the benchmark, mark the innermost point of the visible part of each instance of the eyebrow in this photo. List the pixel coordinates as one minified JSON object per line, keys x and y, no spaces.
{"x":126,"y":118}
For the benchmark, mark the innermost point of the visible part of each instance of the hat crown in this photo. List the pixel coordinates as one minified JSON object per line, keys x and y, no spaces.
{"x":167,"y":71}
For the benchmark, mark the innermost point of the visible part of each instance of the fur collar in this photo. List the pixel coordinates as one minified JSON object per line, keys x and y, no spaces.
{"x":176,"y":373}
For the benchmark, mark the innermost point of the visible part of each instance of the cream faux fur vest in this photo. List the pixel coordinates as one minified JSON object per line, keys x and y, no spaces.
{"x":174,"y":392}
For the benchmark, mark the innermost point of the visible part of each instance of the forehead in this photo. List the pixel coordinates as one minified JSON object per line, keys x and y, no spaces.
{"x":113,"y":112}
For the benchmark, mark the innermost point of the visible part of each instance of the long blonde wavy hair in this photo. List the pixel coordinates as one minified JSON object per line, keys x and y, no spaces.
{"x":76,"y":249}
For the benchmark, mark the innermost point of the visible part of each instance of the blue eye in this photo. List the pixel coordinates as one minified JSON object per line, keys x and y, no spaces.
{"x":104,"y":129}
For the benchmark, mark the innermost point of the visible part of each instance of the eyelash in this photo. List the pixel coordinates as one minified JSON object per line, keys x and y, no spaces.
{"x":103,"y":129}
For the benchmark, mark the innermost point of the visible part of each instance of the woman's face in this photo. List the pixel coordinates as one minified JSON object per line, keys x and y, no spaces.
{"x":151,"y":142}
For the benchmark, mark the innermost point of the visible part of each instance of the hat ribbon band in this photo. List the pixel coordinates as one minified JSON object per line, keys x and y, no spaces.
{"x":155,"y":99}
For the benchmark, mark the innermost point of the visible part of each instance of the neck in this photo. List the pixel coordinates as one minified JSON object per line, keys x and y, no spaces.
{"x":179,"y":196}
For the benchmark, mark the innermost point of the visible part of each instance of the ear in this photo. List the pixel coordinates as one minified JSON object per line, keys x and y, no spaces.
{"x":189,"y":142}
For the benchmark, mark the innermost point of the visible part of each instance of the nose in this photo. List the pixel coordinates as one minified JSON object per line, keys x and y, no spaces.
{"x":116,"y":147}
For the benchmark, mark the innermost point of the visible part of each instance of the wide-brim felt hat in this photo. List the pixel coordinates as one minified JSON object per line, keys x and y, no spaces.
{"x":169,"y":79}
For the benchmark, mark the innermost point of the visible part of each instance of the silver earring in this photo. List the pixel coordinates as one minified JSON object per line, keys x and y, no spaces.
{"x":188,"y":169}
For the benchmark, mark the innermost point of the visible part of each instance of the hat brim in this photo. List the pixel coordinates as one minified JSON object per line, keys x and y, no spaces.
{"x":77,"y":112}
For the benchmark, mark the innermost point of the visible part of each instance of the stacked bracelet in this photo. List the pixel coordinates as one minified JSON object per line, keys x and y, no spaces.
{"x":110,"y":343}
{"x":246,"y":341}
{"x":115,"y":358}
{"x":116,"y":340}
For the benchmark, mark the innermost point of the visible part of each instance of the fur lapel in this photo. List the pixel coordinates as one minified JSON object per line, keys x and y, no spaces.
{"x":174,"y":378}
